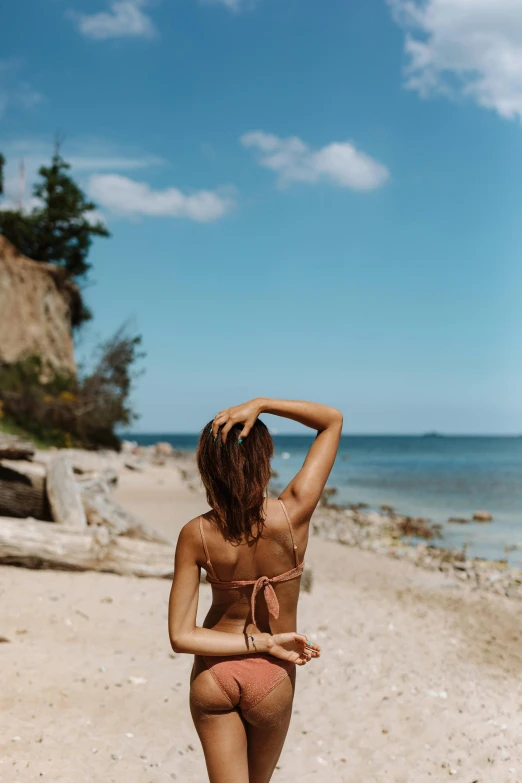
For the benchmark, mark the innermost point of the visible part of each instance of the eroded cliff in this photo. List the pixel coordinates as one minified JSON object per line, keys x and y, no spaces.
{"x":35,"y":311}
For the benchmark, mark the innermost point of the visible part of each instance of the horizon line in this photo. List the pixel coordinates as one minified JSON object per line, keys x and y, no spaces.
{"x":428,"y":434}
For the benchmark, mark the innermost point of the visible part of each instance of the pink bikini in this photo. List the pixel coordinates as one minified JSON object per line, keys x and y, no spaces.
{"x":246,"y":679}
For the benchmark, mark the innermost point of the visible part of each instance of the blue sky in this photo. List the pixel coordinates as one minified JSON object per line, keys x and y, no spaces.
{"x":313,"y":200}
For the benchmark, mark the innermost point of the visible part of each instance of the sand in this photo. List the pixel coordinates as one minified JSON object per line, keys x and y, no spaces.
{"x":419,"y":678}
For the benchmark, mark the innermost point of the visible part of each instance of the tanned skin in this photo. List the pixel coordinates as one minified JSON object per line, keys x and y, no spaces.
{"x":245,"y":748}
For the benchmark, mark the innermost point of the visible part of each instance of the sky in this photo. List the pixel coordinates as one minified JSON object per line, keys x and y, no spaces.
{"x":313,"y":200}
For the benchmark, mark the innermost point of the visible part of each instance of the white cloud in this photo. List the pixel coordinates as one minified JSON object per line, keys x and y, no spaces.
{"x":465,"y":47}
{"x":125,"y":19}
{"x":87,"y":155}
{"x":14,"y":92}
{"x":232,"y":5}
{"x":339,"y":163}
{"x":106,"y":163}
{"x":124,"y":196}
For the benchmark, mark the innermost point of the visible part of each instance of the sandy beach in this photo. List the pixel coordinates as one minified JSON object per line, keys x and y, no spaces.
{"x":419,"y":679}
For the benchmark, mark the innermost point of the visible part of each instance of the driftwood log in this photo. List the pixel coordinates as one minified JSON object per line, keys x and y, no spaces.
{"x":12,"y":447}
{"x":64,"y":494}
{"x":22,"y":491}
{"x":41,"y":545}
{"x":101,"y":509}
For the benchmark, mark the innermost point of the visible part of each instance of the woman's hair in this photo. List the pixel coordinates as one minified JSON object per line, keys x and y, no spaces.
{"x":235,"y":476}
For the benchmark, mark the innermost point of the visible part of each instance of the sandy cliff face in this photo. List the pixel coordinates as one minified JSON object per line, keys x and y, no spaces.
{"x":34,"y":311}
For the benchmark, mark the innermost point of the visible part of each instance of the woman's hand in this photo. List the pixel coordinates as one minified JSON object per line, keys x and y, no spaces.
{"x":245,"y":414}
{"x":292,"y":647}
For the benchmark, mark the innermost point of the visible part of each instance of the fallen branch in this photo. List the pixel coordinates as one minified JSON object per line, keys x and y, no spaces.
{"x":64,"y":494}
{"x":42,"y":545}
{"x":12,"y":447}
{"x":22,"y":491}
{"x":101,"y":509}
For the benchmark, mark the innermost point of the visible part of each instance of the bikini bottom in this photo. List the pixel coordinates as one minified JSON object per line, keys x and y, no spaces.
{"x":247,"y":679}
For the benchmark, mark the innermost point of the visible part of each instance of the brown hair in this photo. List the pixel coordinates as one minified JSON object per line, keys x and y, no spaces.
{"x":235,"y":476}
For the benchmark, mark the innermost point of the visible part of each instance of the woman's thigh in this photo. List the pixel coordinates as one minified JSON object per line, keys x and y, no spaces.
{"x":267,"y":727}
{"x":220,"y":728}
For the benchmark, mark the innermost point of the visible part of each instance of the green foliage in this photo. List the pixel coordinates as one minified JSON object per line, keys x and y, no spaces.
{"x":65,"y":411}
{"x":105,"y":391}
{"x":60,"y":229}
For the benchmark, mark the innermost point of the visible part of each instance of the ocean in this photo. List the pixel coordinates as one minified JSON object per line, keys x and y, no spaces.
{"x":435,"y":477}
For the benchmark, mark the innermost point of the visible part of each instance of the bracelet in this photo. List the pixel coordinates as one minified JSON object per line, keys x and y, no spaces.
{"x":253,"y":641}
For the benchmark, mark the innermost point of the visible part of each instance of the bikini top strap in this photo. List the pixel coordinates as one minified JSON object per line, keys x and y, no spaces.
{"x":294,"y":546}
{"x":205,"y":547}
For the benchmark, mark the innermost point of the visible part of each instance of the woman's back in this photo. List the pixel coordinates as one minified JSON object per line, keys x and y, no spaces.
{"x":277,"y":551}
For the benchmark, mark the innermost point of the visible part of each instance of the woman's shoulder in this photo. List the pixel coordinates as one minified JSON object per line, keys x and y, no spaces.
{"x":190,"y":532}
{"x":293,"y":510}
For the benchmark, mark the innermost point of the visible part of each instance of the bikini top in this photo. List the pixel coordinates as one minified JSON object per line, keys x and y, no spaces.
{"x":263,"y":582}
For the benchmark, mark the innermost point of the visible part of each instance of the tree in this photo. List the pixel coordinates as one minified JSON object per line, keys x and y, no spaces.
{"x":64,"y":410}
{"x":104,"y":393}
{"x":2,"y":164}
{"x":60,"y":229}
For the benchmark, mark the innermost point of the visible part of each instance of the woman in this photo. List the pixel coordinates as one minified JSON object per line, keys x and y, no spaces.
{"x":252,"y":548}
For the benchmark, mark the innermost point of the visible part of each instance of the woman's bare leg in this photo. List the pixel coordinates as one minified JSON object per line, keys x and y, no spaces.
{"x":220,"y":728}
{"x":267,"y":726}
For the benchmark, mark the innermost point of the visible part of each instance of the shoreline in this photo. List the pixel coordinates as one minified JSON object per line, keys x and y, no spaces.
{"x":389,"y":533}
{"x":442,"y":480}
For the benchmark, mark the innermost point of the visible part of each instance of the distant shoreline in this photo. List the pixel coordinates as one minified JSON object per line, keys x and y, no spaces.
{"x":155,"y":436}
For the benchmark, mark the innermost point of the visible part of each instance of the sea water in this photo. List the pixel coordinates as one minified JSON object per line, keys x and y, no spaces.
{"x":432,"y":477}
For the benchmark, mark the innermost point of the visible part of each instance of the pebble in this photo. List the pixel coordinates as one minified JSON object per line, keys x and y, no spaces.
{"x":137,"y":680}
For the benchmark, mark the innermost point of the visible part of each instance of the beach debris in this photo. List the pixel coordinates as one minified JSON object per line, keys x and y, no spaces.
{"x":103,"y":480}
{"x":102,"y":509}
{"x":137,"y":680}
{"x":12,"y":447}
{"x":42,"y":545}
{"x":164,"y":449}
{"x":482,"y":516}
{"x":64,"y":494}
{"x":390,"y":534}
{"x":434,"y":694}
{"x":418,"y":527}
{"x":459,"y":520}
{"x":22,"y":490}
{"x":327,"y":493}
{"x":133,"y":465}
{"x":4,"y":640}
